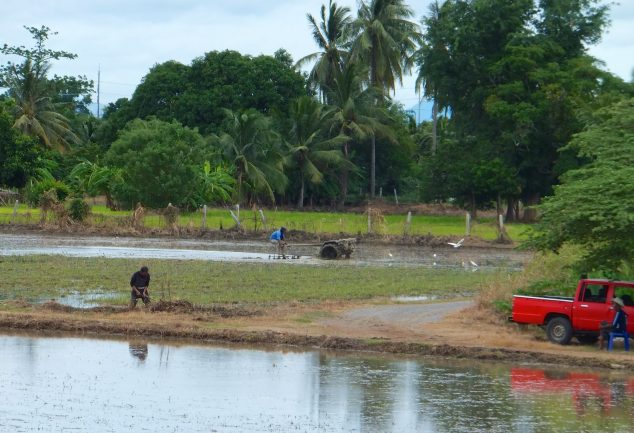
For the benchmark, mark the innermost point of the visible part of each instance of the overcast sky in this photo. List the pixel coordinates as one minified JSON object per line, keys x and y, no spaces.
{"x":126,"y":37}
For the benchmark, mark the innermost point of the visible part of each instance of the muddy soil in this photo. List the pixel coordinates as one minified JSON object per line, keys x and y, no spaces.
{"x":437,"y":329}
{"x":367,"y":252}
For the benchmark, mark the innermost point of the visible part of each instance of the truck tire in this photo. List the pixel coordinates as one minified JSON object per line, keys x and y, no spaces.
{"x":559,"y":330}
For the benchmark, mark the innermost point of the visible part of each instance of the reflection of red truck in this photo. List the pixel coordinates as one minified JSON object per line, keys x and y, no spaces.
{"x":582,"y":386}
{"x":579,"y":316}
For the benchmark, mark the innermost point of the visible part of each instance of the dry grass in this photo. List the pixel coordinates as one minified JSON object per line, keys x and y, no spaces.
{"x":545,"y":269}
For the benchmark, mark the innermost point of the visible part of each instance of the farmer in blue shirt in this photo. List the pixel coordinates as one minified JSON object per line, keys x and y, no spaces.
{"x":619,"y":323}
{"x":278,"y":238}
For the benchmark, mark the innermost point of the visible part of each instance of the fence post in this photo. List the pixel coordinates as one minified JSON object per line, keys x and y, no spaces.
{"x":501,"y":222}
{"x":204,"y":217}
{"x":380,"y":192}
{"x":369,"y":221}
{"x":395,"y":197}
{"x":235,"y":218}
{"x":238,"y":210}
{"x":263,"y":218}
{"x":15,"y":211}
{"x":408,"y":223}
{"x":468,"y":223}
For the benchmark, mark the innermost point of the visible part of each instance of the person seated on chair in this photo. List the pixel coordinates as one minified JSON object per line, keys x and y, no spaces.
{"x":140,"y":282}
{"x":619,"y":323}
{"x":278,"y":238}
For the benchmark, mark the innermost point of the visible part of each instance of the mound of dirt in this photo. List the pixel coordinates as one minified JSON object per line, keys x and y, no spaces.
{"x":177,"y":306}
{"x":182,"y":306}
{"x":53,"y":305}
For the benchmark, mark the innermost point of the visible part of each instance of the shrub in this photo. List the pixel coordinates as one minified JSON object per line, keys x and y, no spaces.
{"x":35,"y":191}
{"x":78,"y":209}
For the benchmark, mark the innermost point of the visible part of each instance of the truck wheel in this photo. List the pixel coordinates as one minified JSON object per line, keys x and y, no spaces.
{"x":559,"y":330}
{"x":329,"y":252}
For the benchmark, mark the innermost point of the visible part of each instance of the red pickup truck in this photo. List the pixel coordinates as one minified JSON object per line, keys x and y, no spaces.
{"x":580,"y":316}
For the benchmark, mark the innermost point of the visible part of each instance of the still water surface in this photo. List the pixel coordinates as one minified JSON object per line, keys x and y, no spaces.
{"x":75,"y":384}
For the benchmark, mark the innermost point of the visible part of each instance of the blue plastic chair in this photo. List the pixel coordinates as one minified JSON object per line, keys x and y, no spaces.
{"x":624,"y":335}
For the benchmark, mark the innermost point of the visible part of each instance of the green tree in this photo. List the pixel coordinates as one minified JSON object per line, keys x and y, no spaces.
{"x":332,"y":36}
{"x":18,"y":155}
{"x":196,"y":95}
{"x":352,"y":115}
{"x":386,"y":40}
{"x":594,"y":204}
{"x":310,"y":148}
{"x":92,"y":179}
{"x":38,"y":99}
{"x":217,"y":185}
{"x":252,"y":147}
{"x":514,"y":91}
{"x":159,"y":162}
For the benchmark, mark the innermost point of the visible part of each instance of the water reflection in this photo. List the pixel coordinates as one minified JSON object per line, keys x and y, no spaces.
{"x":138,"y":350}
{"x":92,"y":385}
{"x":586,"y":391}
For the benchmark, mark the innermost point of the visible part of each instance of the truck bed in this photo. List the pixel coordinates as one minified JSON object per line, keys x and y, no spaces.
{"x":535,"y":309}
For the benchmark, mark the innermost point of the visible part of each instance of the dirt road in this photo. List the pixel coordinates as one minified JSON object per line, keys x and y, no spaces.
{"x":411,"y":316}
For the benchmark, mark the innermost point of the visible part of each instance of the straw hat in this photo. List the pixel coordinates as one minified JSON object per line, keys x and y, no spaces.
{"x":618,"y":301}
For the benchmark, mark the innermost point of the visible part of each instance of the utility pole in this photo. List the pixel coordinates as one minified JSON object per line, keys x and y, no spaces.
{"x":98,"y":85}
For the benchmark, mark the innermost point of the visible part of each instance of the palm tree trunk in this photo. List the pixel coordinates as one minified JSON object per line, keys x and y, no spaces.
{"x":343,"y":181}
{"x":373,"y":168}
{"x":240,"y":187}
{"x":300,"y":201}
{"x":374,"y":80}
{"x":434,"y":128}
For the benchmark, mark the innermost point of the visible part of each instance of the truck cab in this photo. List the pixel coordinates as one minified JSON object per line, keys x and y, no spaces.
{"x":579,"y":316}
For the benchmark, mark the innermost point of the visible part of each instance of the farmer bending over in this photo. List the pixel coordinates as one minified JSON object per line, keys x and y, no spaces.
{"x":619,"y":323}
{"x":140,"y":282}
{"x":278,"y":238}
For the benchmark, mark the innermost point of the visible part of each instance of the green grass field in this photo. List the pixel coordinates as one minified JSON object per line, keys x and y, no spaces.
{"x":39,"y":278}
{"x":311,"y":222}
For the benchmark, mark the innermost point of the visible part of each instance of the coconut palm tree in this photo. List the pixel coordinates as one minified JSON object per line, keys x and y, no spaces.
{"x":386,"y":40}
{"x":35,"y":113}
{"x":430,"y":58}
{"x":354,"y":115}
{"x":332,"y":36}
{"x":250,"y":144}
{"x":310,"y":148}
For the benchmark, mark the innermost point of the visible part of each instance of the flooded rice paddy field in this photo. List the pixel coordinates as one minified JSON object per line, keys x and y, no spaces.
{"x":366,"y":254}
{"x":84,"y":385}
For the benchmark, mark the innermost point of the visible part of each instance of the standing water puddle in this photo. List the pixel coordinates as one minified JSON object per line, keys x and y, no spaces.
{"x":74,"y":384}
{"x":470,"y":259}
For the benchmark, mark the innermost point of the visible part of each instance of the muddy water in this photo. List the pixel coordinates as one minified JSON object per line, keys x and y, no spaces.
{"x":72,"y":384}
{"x":472,"y":259}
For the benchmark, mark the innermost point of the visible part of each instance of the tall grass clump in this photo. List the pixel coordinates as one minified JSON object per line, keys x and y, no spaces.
{"x":546,"y":274}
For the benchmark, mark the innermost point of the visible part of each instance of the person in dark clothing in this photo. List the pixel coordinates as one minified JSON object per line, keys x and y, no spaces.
{"x":618,"y":324}
{"x":140,"y":283}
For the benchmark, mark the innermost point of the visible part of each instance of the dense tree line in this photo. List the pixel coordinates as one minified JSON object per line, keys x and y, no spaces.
{"x":517,"y":80}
